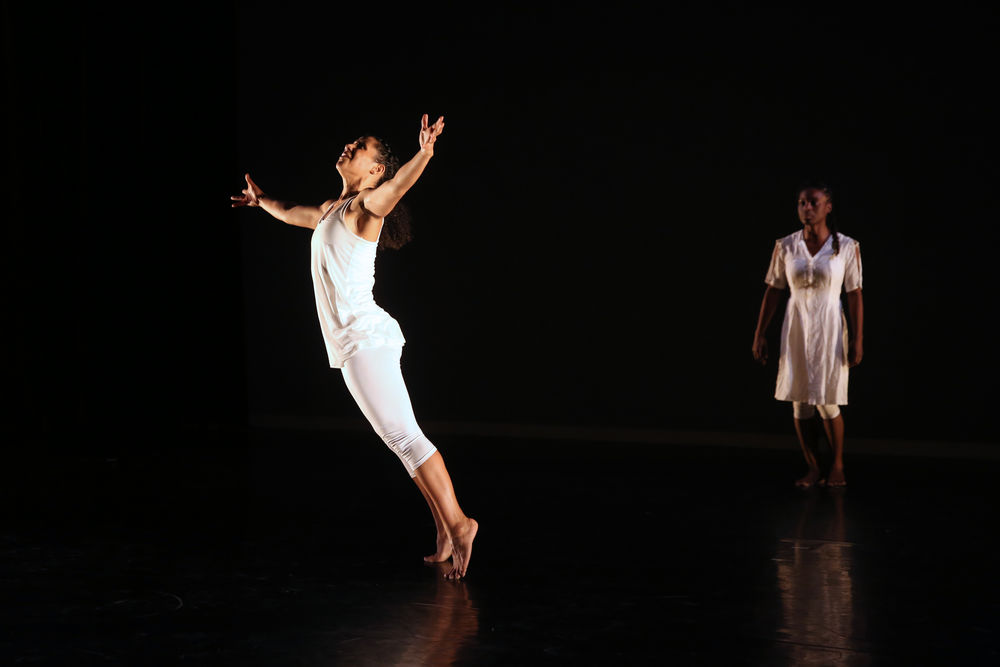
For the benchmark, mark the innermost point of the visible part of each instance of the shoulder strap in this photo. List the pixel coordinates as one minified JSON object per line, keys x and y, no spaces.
{"x":323,"y":217}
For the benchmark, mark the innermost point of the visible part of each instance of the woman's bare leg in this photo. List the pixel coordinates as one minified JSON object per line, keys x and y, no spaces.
{"x":805,"y":429}
{"x":443,"y":548}
{"x":835,"y":433}
{"x":434,"y":478}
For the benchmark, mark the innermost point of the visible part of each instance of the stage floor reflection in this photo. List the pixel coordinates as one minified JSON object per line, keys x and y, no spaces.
{"x":305,"y":548}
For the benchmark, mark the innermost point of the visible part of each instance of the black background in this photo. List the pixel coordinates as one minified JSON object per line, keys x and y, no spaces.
{"x":591,"y":236}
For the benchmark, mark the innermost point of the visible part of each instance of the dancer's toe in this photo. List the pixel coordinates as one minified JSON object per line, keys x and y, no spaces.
{"x":461,"y":548}
{"x":811,"y":478}
{"x":837,"y":478}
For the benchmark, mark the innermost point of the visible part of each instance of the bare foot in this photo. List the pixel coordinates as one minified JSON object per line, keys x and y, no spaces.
{"x":461,"y":545}
{"x":811,"y":478}
{"x":836,"y":477}
{"x":443,"y":552}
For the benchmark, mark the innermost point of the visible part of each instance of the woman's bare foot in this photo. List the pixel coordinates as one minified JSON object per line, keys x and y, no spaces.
{"x":811,"y":478}
{"x":461,"y":549}
{"x":443,"y":552}
{"x":836,"y":477}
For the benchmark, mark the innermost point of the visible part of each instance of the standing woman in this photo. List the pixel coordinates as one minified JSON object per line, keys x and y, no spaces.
{"x":817,"y":347}
{"x":361,"y":338}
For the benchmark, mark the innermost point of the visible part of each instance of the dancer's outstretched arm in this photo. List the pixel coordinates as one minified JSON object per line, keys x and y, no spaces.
{"x":379,"y":202}
{"x":288,"y":212}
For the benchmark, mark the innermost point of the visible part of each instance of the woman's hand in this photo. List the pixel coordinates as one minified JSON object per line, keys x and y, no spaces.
{"x":251,"y":194}
{"x":428,"y":135}
{"x":760,"y":349}
{"x":855,"y":351}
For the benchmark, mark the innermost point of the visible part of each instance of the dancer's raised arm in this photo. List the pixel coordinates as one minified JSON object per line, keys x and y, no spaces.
{"x":288,"y":212}
{"x":380,"y":201}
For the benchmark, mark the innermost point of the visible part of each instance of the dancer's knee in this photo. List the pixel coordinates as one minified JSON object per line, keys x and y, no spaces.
{"x":803,"y":410}
{"x":807,"y":411}
{"x":828,"y":412}
{"x":411,"y":446}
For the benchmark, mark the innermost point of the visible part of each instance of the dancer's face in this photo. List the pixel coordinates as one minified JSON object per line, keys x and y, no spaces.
{"x":814,"y":206}
{"x":359,"y":158}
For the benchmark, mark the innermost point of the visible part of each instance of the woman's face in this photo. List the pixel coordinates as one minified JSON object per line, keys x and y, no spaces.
{"x":814,"y":206}
{"x":359,"y":157}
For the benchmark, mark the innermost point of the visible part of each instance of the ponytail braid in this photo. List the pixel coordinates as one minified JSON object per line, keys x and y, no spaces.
{"x":396,"y":231}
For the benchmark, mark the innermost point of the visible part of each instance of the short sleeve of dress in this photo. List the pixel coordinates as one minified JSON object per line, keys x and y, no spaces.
{"x":852,"y":268}
{"x":776,"y":272}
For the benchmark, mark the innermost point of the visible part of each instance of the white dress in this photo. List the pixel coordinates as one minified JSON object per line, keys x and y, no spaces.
{"x":813,"y":364}
{"x":343,"y":273}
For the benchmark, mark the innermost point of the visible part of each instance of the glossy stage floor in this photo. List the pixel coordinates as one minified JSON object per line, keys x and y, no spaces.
{"x":304,"y":548}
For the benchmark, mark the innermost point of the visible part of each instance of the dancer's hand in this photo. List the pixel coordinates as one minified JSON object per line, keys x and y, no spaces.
{"x":759,"y":349}
{"x":251,"y":195}
{"x":855,"y":351}
{"x":428,"y":135}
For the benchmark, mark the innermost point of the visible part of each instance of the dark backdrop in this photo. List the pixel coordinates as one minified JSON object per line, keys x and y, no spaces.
{"x":591,"y":236}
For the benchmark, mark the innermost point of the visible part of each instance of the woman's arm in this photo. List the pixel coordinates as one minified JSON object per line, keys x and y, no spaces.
{"x":287,"y":212}
{"x":380,"y":201}
{"x":768,"y":306}
{"x":856,"y":313}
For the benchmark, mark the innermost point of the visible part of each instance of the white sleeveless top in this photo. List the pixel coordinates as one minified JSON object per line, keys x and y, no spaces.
{"x":343,"y":273}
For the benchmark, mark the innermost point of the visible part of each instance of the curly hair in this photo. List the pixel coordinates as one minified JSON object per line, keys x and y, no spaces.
{"x":396,"y":231}
{"x":831,"y":218}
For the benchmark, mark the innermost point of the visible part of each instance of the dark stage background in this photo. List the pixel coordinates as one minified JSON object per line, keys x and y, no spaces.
{"x":591,"y":236}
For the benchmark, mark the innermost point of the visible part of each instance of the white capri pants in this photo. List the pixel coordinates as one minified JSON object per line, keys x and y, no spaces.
{"x":806,"y":411}
{"x":375,"y":380}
